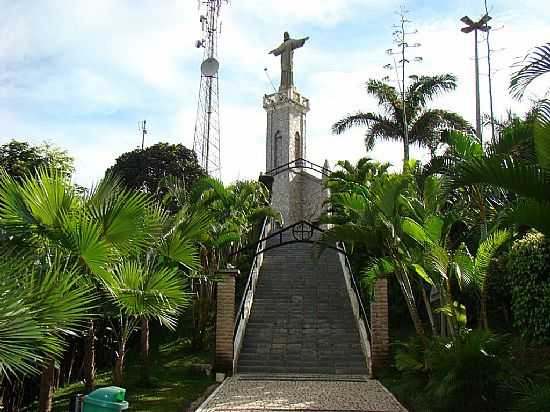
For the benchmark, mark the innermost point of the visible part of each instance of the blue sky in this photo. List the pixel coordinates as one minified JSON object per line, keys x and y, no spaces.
{"x":82,"y":74}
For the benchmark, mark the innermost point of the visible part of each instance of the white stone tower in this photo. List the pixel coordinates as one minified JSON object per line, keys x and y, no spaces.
{"x":297,"y":194}
{"x":285,"y":143}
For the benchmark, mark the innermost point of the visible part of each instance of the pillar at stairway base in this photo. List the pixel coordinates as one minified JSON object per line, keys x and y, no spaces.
{"x":225,"y":319}
{"x":380,"y":345}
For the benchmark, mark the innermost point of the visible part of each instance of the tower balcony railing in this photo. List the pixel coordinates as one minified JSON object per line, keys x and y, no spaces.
{"x":286,"y":96}
{"x":299,"y":164}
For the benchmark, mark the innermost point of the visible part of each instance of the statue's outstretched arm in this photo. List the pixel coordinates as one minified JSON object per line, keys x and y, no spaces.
{"x":279,"y":50}
{"x":299,"y":42}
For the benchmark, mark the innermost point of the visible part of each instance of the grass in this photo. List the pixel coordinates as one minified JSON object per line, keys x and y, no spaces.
{"x":174,"y":383}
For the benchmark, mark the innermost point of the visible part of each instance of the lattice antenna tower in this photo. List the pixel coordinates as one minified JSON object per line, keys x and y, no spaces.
{"x":401,"y":59}
{"x":206,"y":140}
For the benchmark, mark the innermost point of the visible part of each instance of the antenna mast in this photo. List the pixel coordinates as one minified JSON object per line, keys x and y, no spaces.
{"x":400,"y":40}
{"x":143,"y":130}
{"x":206,"y":140}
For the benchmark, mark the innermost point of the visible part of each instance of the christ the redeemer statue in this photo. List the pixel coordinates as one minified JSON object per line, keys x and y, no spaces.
{"x":286,"y":51}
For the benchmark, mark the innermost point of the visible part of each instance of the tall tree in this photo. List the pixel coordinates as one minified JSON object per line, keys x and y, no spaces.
{"x":424,"y":125}
{"x":148,"y":169}
{"x":21,"y":158}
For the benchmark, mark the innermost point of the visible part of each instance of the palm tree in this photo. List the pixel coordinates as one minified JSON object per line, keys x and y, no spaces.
{"x":142,"y":292}
{"x":177,"y":247}
{"x":423,"y":125}
{"x":444,"y":263}
{"x":374,"y":217}
{"x":535,"y":64}
{"x":346,"y":174}
{"x":42,"y":225}
{"x":42,"y":304}
{"x":43,"y":214}
{"x":231,"y":214}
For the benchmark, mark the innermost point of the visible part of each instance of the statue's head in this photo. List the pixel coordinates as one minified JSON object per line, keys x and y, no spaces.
{"x":286,"y":36}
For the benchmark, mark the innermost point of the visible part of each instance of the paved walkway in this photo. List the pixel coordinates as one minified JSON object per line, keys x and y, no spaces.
{"x":301,"y":393}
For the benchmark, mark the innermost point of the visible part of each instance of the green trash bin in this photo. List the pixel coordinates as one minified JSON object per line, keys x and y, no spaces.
{"x":106,"y":399}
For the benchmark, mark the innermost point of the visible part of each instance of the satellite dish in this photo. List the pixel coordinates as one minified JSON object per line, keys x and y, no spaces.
{"x":210,"y":67}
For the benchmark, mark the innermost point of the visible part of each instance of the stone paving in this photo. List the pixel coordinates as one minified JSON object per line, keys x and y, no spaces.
{"x":301,"y":393}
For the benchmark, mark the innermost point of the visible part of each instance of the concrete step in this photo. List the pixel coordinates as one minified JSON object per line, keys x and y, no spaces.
{"x":301,"y":319}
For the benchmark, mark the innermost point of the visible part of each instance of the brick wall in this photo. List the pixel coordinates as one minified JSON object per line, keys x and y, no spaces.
{"x":225,"y":319}
{"x":380,"y":345}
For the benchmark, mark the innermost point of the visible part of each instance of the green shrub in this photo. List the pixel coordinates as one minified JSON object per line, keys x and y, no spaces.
{"x":459,"y":374}
{"x":532,"y":397}
{"x":528,"y":274}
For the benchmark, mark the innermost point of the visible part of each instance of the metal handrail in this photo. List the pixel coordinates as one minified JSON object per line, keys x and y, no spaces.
{"x":299,"y":164}
{"x":355,"y":287}
{"x":240,"y":312}
{"x":280,"y":234}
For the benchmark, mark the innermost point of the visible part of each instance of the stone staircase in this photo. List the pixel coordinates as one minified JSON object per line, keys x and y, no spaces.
{"x":301,"y":320}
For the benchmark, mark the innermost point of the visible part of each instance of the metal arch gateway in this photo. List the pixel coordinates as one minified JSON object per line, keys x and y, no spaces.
{"x":300,"y":232}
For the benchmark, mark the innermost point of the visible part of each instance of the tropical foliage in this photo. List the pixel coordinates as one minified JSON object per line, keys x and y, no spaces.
{"x":113,"y":256}
{"x":21,"y":158}
{"x":423,"y":125}
{"x":462,"y":373}
{"x":535,"y":64}
{"x":149,"y":169}
{"x":528,"y":278}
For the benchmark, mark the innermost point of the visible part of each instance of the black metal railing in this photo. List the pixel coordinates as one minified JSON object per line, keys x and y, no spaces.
{"x":299,"y":164}
{"x":357,"y":292}
{"x":299,"y":232}
{"x":255,"y":267}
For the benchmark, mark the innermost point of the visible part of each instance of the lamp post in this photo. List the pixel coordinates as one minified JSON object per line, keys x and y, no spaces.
{"x":475,"y":26}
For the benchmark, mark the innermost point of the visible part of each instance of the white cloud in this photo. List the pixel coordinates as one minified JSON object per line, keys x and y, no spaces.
{"x":323,"y":13}
{"x":82,"y":74}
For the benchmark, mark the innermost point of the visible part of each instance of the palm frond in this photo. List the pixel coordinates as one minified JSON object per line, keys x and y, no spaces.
{"x":542,"y":111}
{"x":350,"y":201}
{"x":515,"y":140}
{"x":84,"y":239}
{"x":20,"y":334}
{"x":417,"y":232}
{"x":530,"y":212}
{"x":60,"y":300}
{"x":226,"y":238}
{"x":464,"y":267}
{"x":386,"y":95}
{"x":179,"y":249}
{"x":425,"y":88}
{"x":388,"y":193}
{"x":107,"y":187}
{"x":206,"y":185}
{"x":462,"y":145}
{"x":266,"y":211}
{"x":426,"y":129}
{"x":433,"y":194}
{"x":542,"y":145}
{"x":383,"y":128}
{"x":358,"y":119}
{"x":149,"y":292}
{"x":124,"y":220}
{"x":349,"y":232}
{"x":421,"y":272}
{"x":438,"y":260}
{"x":524,"y":179}
{"x":485,"y":253}
{"x":535,"y":64}
{"x":378,"y":268}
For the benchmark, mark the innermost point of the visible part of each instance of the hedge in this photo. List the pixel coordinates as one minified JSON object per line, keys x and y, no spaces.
{"x":528,"y":273}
